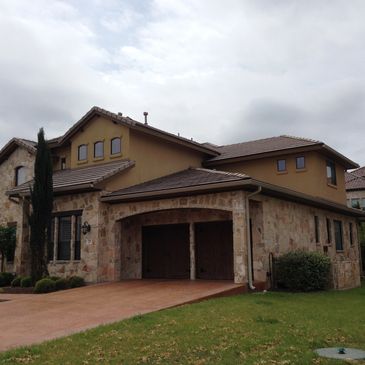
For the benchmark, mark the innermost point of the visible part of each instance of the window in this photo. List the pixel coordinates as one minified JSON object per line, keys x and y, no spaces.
{"x":362,"y":204}
{"x":82,"y":152}
{"x":300,"y":163}
{"x":50,"y":246}
{"x":98,"y":149}
{"x":63,"y":163}
{"x":355,"y":203}
{"x":329,"y":230}
{"x":316,"y":227}
{"x":64,"y":238}
{"x":331,"y":173}
{"x":338,"y":235}
{"x":116,"y":145}
{"x":351,"y":234}
{"x":281,"y":165}
{"x":78,"y":238}
{"x":20,"y":175}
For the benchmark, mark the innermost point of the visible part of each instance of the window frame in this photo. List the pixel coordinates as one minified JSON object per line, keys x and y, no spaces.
{"x":296,"y":163}
{"x":351,"y":234}
{"x":316,"y":229}
{"x":78,"y":152}
{"x":111,"y":146}
{"x":339,"y":244}
{"x":95,"y":145}
{"x":329,"y":230}
{"x":332,"y":180}
{"x":17,"y":169}
{"x":278,"y":165}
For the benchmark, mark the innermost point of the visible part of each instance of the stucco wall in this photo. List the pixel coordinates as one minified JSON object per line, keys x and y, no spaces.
{"x":312,"y":180}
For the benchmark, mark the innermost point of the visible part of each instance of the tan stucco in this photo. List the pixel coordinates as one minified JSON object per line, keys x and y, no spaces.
{"x":312,"y":180}
{"x":99,"y":129}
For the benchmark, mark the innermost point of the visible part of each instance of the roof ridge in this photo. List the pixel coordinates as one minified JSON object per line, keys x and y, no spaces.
{"x":221,"y":172}
{"x":300,"y":138}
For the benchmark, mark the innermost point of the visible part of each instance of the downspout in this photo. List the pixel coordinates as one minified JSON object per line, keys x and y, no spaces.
{"x":248,"y":238}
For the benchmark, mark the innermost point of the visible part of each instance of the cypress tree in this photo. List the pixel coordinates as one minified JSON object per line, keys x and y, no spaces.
{"x":42,"y":203}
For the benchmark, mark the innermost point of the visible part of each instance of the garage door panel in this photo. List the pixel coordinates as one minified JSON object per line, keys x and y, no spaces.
{"x":165,"y":251}
{"x":214,"y":250}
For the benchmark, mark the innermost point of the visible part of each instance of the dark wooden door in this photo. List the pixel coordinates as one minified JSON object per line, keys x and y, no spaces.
{"x":165,"y":251}
{"x":214,"y":250}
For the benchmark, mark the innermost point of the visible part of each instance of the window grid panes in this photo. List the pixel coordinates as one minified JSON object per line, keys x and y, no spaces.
{"x":338,"y":235}
{"x":331,"y":173}
{"x":99,"y":149}
{"x":64,"y":238}
{"x":300,"y":162}
{"x":82,"y":152}
{"x":281,"y":165}
{"x":116,"y":146}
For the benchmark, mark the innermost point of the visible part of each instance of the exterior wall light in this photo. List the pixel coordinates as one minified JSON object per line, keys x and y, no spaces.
{"x":85,"y":227}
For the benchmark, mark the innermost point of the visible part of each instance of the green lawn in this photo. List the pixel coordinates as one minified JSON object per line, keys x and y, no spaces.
{"x":271,"y":328}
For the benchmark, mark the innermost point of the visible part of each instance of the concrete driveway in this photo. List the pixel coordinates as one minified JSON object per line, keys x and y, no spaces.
{"x":30,"y":319}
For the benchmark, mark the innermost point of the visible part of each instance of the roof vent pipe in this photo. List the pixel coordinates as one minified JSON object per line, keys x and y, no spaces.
{"x":145,"y":117}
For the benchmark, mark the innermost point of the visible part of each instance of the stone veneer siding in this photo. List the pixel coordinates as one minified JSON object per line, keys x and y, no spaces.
{"x":12,"y":209}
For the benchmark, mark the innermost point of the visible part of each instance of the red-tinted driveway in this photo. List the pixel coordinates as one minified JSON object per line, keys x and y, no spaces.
{"x":29,"y":319}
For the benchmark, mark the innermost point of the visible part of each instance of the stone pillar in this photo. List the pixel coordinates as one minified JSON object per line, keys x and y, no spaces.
{"x":55,"y":239}
{"x":239,"y":239}
{"x":73,"y":235}
{"x":192,"y":251}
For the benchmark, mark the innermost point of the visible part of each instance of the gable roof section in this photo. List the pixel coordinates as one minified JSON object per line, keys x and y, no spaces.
{"x":13,"y":144}
{"x":274,"y":145}
{"x":85,"y":178}
{"x":198,"y":181}
{"x":133,"y":124}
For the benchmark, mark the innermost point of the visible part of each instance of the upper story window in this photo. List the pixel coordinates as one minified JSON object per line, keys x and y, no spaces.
{"x":281,"y":165}
{"x":116,"y":145}
{"x":300,"y":163}
{"x":20,"y":175}
{"x":331,"y":173}
{"x":63,"y":163}
{"x":99,"y":149}
{"x":355,"y":203}
{"x":82,"y":152}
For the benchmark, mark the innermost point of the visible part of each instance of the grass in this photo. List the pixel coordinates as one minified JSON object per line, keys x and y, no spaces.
{"x":271,"y":328}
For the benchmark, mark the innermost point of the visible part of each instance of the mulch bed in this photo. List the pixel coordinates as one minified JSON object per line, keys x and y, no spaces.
{"x":16,"y":290}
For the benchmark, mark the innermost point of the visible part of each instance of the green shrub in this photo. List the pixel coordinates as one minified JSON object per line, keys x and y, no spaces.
{"x":16,"y":281}
{"x":76,"y":281}
{"x":6,"y":278}
{"x":45,"y":285}
{"x":303,"y":271}
{"x":62,"y":284}
{"x":54,"y":278}
{"x":26,"y":282}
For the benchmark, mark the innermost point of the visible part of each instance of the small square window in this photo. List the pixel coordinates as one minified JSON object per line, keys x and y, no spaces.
{"x":281,"y":165}
{"x":355,"y":203}
{"x":300,"y":163}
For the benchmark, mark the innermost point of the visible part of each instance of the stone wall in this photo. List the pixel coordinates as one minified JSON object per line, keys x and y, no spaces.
{"x":280,"y":226}
{"x":11,"y":209}
{"x":87,"y":266}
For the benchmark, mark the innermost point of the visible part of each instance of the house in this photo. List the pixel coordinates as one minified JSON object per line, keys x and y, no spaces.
{"x":132,"y":201}
{"x":355,"y":188}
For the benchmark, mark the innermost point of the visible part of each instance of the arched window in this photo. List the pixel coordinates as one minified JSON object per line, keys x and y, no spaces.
{"x":116,"y":145}
{"x":20,"y":175}
{"x":82,"y":152}
{"x":99,"y":149}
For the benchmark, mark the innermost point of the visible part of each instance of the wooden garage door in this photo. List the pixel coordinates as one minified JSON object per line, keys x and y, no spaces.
{"x":214,"y":250}
{"x":165,"y":251}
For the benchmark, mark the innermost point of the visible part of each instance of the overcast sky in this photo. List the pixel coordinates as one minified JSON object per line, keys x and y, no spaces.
{"x":218,"y":71}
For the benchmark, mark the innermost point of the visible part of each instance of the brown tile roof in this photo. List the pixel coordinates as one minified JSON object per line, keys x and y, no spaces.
{"x":253,"y":149}
{"x":78,"y":179}
{"x":192,"y":177}
{"x":355,"y":180}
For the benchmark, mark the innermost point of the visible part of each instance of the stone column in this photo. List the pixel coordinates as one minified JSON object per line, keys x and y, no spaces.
{"x":192,"y":251}
{"x":55,"y":239}
{"x":239,"y":238}
{"x":73,"y":235}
